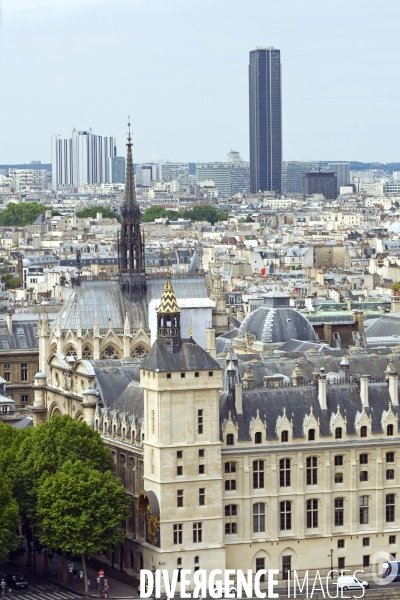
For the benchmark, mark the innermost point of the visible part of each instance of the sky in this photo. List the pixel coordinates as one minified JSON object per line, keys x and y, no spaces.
{"x":179,"y":68}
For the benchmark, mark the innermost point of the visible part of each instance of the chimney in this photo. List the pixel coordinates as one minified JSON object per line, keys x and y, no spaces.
{"x":239,"y":398}
{"x":322,"y":389}
{"x":364,"y":379}
{"x":392,"y":378}
{"x":210,"y":342}
{"x":9,"y":322}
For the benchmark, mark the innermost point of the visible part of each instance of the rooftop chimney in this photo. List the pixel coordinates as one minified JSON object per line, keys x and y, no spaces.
{"x":364,"y":379}
{"x":322,"y":389}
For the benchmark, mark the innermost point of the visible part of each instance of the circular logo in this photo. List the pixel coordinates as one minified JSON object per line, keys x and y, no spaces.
{"x":384,"y":568}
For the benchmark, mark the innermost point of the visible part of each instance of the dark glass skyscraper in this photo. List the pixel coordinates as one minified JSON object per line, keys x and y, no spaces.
{"x":265,"y":120}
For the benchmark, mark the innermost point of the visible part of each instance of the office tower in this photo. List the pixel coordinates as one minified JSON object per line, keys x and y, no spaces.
{"x":265,"y":110}
{"x":293,"y":172}
{"x":342,"y":172}
{"x":81,"y":159}
{"x":143,"y":175}
{"x":320,"y":183}
{"x":229,"y":177}
{"x":118,"y":169}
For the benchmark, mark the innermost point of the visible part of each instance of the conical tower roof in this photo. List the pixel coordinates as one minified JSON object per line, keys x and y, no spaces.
{"x":168,"y":303}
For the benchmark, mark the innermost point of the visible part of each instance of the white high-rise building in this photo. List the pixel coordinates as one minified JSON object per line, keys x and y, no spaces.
{"x":82,"y":159}
{"x":229,"y":177}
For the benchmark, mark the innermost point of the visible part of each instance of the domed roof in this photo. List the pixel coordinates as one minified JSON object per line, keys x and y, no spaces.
{"x":277,"y":325}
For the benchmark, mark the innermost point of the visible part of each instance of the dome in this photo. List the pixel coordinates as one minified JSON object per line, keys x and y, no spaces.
{"x":26,"y":262}
{"x":278,"y":325}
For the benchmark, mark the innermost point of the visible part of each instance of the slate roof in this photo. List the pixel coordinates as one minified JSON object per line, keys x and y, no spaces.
{"x":23,"y":336}
{"x":117,"y":383}
{"x":189,"y":357}
{"x":277,"y":325}
{"x":297,"y":400}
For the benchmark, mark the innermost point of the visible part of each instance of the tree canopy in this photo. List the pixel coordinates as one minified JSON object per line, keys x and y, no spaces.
{"x":91,"y":213}
{"x":9,"y":519}
{"x":396,"y":286}
{"x":197,"y":213}
{"x":19,"y":215}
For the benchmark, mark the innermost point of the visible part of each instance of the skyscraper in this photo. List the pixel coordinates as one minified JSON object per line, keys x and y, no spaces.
{"x":82,"y":159}
{"x":265,"y":104}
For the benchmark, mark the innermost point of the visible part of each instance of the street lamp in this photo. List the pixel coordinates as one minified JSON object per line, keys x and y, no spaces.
{"x":331,"y":555}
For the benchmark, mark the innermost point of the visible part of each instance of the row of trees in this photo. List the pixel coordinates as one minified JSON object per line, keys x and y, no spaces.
{"x":58,"y":481}
{"x":197,"y":213}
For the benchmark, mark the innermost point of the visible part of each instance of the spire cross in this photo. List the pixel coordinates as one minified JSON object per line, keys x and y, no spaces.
{"x":129,"y":129}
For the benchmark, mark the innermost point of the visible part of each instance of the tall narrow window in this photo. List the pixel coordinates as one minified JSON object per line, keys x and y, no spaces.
{"x":312,"y":470}
{"x":200,"y":421}
{"x":390,"y":508}
{"x":229,"y":439}
{"x":258,"y":474}
{"x":286,"y":566}
{"x":260,"y":566}
{"x":363,"y":431}
{"x":312,"y":513}
{"x":202,"y":496}
{"x":389,"y":457}
{"x":389,"y":430}
{"x":284,"y":472}
{"x":285,"y":436}
{"x":153,"y":422}
{"x":259,"y":517}
{"x":258,"y":438}
{"x":230,"y":519}
{"x":179,"y":498}
{"x":178,"y":533}
{"x":338,"y":433}
{"x":285,"y":515}
{"x":311,"y":435}
{"x":339,"y":512}
{"x":363,"y":459}
{"x":24,"y":371}
{"x":197,"y":533}
{"x":364,"y":510}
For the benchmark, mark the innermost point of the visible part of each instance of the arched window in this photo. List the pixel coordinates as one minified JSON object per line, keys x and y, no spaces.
{"x":389,"y":430}
{"x":363,"y":431}
{"x":338,"y":433}
{"x":139,"y":352}
{"x":71,"y":351}
{"x":179,"y":561}
{"x":87,"y":353}
{"x":285,"y":436}
{"x":258,"y":437}
{"x":110,"y":353}
{"x":230,"y":439}
{"x":196,"y":560}
{"x":311,"y":435}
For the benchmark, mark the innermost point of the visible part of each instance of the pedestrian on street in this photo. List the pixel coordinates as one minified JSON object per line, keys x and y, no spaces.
{"x":106,"y":588}
{"x":89,"y":585}
{"x":81,"y":575}
{"x":98,"y":582}
{"x":3,"y":588}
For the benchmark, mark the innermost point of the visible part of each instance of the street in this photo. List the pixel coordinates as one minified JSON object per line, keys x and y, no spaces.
{"x":40,"y":588}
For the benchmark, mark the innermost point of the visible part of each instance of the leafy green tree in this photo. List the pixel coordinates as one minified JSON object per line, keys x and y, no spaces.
{"x":91,"y":213}
{"x":19,"y":215}
{"x":9,"y":519}
{"x":206,"y":213}
{"x":10,"y":281}
{"x":44,"y":452}
{"x":396,"y":286}
{"x":159,"y":212}
{"x":81,"y":510}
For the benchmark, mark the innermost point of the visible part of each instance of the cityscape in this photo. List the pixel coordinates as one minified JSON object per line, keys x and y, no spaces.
{"x":199,"y":366}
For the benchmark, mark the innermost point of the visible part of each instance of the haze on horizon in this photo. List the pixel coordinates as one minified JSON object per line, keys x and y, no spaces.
{"x":180,"y":70}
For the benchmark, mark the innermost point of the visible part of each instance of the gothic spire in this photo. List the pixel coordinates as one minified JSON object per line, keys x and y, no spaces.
{"x":131,"y":258}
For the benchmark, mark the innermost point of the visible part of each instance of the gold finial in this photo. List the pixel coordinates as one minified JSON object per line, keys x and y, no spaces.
{"x":190,"y":332}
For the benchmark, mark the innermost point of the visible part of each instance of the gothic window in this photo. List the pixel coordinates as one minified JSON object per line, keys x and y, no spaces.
{"x":139,"y":352}
{"x":71,"y":351}
{"x":87,"y":353}
{"x":110,"y":352}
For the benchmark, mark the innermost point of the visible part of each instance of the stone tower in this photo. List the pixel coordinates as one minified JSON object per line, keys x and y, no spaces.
{"x":182,"y":497}
{"x":220,"y":318}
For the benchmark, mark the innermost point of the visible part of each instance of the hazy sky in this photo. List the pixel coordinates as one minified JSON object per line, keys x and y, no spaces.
{"x":180,"y":69}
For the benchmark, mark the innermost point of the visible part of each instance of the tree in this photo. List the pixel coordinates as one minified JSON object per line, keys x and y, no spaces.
{"x":158,"y":212}
{"x":81,"y":510}
{"x":91,"y":213}
{"x":44,"y":452}
{"x":206,"y":213}
{"x":10,"y":281}
{"x":19,"y":215}
{"x":396,"y":286}
{"x":9,"y":519}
